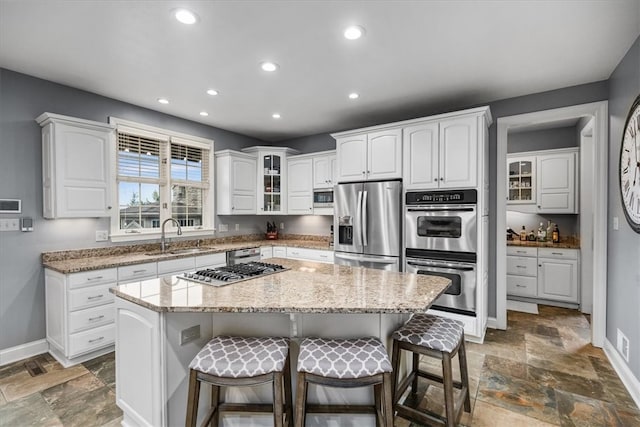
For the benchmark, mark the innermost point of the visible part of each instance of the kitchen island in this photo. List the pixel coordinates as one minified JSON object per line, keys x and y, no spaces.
{"x":162,"y":323}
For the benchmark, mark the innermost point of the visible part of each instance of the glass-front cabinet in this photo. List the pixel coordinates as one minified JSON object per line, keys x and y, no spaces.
{"x":272,"y":178}
{"x":522,"y":180}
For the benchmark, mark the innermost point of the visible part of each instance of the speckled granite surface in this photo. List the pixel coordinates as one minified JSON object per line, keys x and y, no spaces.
{"x":568,"y":243}
{"x":308,"y":287}
{"x":75,"y":261}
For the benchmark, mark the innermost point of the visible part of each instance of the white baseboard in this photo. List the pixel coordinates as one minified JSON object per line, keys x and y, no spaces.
{"x":492,"y":323}
{"x":19,"y":352}
{"x":622,"y":369}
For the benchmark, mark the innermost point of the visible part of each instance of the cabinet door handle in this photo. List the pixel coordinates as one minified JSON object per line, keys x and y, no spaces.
{"x":96,"y":340}
{"x":94,"y":278}
{"x":520,"y":286}
{"x":557,"y":253}
{"x":521,"y":252}
{"x":323,"y":256}
{"x":139,"y":271}
{"x":93,"y":319}
{"x":521,"y":266}
{"x":95,"y":296}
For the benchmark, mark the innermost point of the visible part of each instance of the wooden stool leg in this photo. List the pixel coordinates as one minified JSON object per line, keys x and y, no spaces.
{"x":447,"y":379}
{"x":377,"y":398}
{"x":287,"y":393}
{"x":464,"y":375}
{"x":301,"y":400}
{"x":387,"y":400}
{"x":215,"y":396}
{"x":395,"y":363}
{"x":277,"y":399}
{"x":192,"y":400}
{"x":415,"y":367}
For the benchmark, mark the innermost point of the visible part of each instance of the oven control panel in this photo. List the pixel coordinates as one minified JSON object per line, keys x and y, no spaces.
{"x":441,"y":197}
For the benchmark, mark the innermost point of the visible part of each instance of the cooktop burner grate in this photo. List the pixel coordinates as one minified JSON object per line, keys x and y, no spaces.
{"x":233,"y":273}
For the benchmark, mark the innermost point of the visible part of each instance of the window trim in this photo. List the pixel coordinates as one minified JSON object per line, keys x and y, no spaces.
{"x":167,"y":136}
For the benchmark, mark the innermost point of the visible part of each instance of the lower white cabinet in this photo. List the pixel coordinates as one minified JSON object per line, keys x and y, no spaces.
{"x":279,"y":252}
{"x":211,"y":260}
{"x":310,"y":254}
{"x":79,"y":314}
{"x":266,"y":252}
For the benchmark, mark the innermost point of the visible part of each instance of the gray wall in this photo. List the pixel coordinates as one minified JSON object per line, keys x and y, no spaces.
{"x":22,"y":99}
{"x":623,"y":281}
{"x":546,"y":139}
{"x":311,"y":143}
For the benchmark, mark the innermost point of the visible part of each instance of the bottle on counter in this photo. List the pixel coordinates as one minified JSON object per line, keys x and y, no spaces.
{"x":556,"y":234}
{"x":532,"y":236}
{"x":549,"y":230}
{"x":523,"y":234}
{"x":542,"y":233}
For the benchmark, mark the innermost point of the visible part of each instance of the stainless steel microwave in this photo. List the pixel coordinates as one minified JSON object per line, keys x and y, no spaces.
{"x":323,"y":198}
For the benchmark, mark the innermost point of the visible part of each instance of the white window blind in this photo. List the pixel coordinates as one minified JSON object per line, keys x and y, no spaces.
{"x":139,"y":158}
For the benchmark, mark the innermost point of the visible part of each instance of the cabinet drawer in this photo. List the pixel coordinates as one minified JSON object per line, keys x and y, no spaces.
{"x":93,"y":339}
{"x":129,"y":273}
{"x":213,"y":260}
{"x":522,"y":251}
{"x":522,"y":266}
{"x":90,"y":278}
{"x":91,"y":317}
{"x":176,"y":266}
{"x":310,"y":254}
{"x":90,"y":297}
{"x":521,"y":285}
{"x":558,"y":253}
{"x":279,"y":252}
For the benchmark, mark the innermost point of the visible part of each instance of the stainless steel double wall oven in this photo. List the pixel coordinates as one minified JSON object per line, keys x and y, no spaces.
{"x":441,"y":240}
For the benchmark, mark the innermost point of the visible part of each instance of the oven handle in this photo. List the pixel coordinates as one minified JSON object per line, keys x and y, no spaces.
{"x":442,"y":209}
{"x":451,"y":266}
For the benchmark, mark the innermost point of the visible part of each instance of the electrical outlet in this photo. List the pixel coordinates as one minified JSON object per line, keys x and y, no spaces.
{"x":189,"y":334}
{"x":237,"y":227}
{"x":223,"y":227}
{"x":282,"y":226}
{"x":102,"y":235}
{"x":622,"y":344}
{"x":9,"y":224}
{"x":616,"y":223}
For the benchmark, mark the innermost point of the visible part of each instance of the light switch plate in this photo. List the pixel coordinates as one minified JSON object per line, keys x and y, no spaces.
{"x":237,"y":227}
{"x":223,"y":227}
{"x":616,"y":224}
{"x":189,"y":334}
{"x":9,"y":224}
{"x":102,"y":235}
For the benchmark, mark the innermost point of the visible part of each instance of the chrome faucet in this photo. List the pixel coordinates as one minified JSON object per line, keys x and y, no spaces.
{"x":162,"y":239}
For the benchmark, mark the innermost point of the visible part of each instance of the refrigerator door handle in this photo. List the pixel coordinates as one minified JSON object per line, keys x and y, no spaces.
{"x":358,"y":220}
{"x":365,"y":228}
{"x":376,"y":260}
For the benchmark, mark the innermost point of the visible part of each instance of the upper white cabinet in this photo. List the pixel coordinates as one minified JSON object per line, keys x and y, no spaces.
{"x":235,"y":183}
{"x":421,"y":156}
{"x":543,"y":181}
{"x":370,"y":156}
{"x":271,"y":178}
{"x":300,"y":185}
{"x":458,"y":153}
{"x":324,"y":170}
{"x":76,"y":172}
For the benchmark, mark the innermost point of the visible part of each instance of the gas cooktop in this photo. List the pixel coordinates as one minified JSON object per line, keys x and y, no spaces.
{"x":222,"y":276}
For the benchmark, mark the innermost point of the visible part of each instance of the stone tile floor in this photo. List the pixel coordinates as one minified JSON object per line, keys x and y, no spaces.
{"x":541,"y":371}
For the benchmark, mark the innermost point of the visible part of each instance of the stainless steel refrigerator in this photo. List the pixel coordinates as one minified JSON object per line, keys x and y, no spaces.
{"x":367,"y":224}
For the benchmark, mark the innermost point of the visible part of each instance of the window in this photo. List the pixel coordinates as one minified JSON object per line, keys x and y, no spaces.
{"x":161,"y":175}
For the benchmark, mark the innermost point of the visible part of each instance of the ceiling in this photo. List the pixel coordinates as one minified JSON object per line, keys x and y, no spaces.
{"x":416,"y":56}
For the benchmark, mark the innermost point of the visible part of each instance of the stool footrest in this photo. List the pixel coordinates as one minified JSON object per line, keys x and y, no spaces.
{"x":341,"y":409}
{"x":437,"y":378}
{"x":427,"y":416}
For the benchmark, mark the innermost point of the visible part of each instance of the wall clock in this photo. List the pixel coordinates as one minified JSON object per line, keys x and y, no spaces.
{"x":630,"y":167}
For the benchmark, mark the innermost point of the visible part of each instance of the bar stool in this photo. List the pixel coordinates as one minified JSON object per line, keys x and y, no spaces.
{"x":345,"y":363}
{"x":241,"y":361}
{"x":437,"y":337}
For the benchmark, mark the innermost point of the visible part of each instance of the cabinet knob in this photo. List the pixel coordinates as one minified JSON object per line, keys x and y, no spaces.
{"x":363,"y":172}
{"x":311,"y":208}
{"x":233,"y":207}
{"x":539,"y":206}
{"x":441,"y":179}
{"x":368,"y":171}
{"x":108,"y":207}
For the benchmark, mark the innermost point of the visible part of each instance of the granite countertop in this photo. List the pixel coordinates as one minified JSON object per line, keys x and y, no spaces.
{"x":308,"y":287}
{"x":567,"y":243}
{"x":75,"y":261}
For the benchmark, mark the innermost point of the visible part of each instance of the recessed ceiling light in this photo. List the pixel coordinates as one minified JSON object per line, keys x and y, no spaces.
{"x":212,"y":92}
{"x":163,"y":100}
{"x":354,"y":95}
{"x":185,"y":16}
{"x":275,"y":115}
{"x":354,"y":32}
{"x":269,"y":66}
{"x":204,"y":113}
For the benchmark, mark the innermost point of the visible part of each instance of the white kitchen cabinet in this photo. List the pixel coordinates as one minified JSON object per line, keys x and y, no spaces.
{"x":300,"y":185}
{"x":558,"y":279}
{"x":279,"y":252}
{"x":176,"y":266}
{"x":271,"y":178}
{"x":421,"y":163}
{"x":235,"y":183}
{"x":79,"y":314}
{"x":324,"y":170}
{"x":522,"y":271}
{"x":211,"y":260}
{"x":76,"y":167}
{"x":136,"y":272}
{"x":522,"y":180}
{"x":310,"y":254}
{"x":556,"y":183}
{"x":372,"y":156}
{"x":266,"y":252}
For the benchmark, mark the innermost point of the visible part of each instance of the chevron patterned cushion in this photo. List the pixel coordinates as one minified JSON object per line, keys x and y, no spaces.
{"x":241,"y":357}
{"x":343,"y":358}
{"x":434,"y":332}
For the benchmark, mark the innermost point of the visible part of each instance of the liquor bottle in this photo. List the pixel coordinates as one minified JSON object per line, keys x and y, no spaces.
{"x":549,"y":230}
{"x":556,"y":234}
{"x":541,"y":233}
{"x":523,"y":234}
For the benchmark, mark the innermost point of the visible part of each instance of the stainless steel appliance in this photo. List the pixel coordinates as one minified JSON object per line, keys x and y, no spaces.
{"x":243,"y":255}
{"x":222,"y":276}
{"x":441,"y":220}
{"x":367,"y":221}
{"x":441,"y":239}
{"x":460,"y":268}
{"x":323,"y":198}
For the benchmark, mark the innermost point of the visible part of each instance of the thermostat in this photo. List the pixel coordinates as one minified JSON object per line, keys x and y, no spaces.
{"x":26,"y":224}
